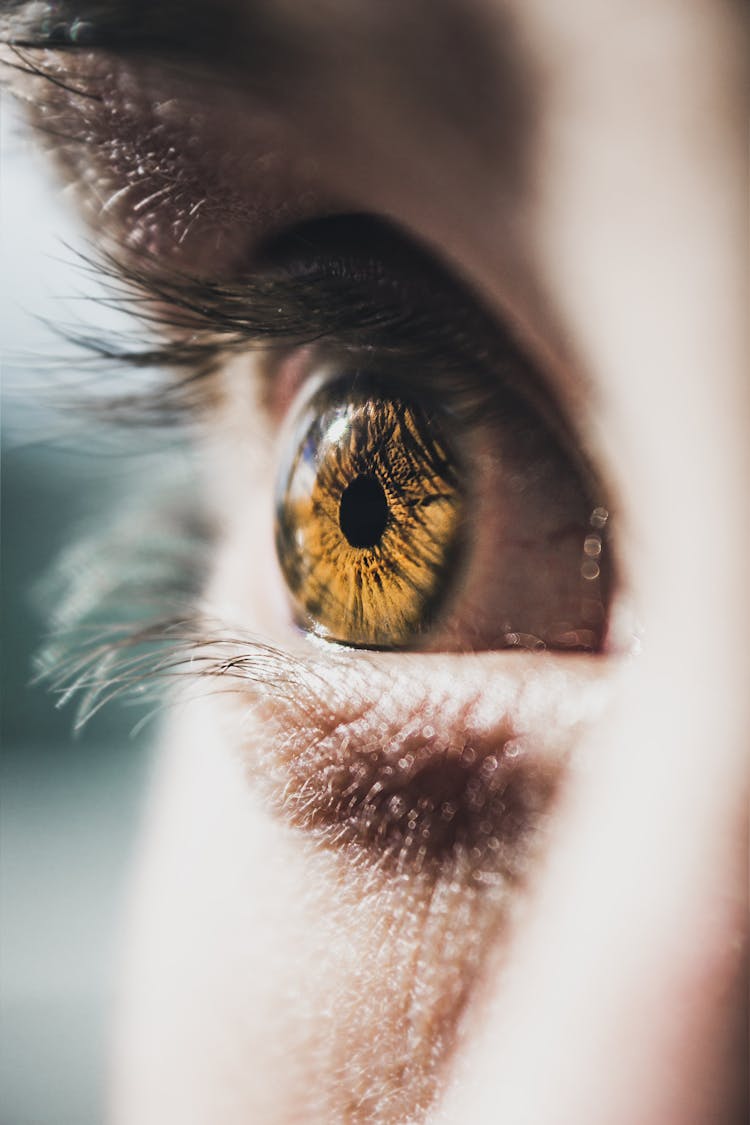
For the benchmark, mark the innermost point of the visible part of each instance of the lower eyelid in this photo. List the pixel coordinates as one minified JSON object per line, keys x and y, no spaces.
{"x":435,"y":763}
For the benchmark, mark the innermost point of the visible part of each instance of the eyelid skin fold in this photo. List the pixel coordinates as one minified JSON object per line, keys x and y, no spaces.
{"x":378,"y":941}
{"x":415,"y":794}
{"x":432,"y":763}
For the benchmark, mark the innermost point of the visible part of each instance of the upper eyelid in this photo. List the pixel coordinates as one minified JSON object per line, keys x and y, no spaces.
{"x":514,"y":291}
{"x":356,"y":298}
{"x":206,"y":351}
{"x":568,"y":382}
{"x":399,"y":309}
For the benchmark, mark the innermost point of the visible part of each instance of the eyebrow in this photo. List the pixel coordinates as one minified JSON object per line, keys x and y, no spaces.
{"x":441,"y":95}
{"x":454,"y":62}
{"x":129,"y":25}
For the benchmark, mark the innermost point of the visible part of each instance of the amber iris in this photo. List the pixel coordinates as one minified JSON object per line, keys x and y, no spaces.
{"x":369,"y":511}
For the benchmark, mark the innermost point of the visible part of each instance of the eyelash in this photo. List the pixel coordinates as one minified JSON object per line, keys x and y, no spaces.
{"x":348,"y":286}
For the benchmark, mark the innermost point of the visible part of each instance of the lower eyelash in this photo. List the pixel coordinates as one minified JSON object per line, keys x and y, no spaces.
{"x":456,"y":805}
{"x":384,"y":785}
{"x":465,"y":803}
{"x":118,"y":596}
{"x":424,"y":764}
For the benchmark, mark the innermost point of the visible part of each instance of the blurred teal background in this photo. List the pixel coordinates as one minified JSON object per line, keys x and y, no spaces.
{"x":68,"y":808}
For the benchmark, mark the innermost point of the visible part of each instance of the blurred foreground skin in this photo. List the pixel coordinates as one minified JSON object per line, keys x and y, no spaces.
{"x":272,"y":980}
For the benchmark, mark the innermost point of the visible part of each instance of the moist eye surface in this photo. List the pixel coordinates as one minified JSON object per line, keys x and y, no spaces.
{"x":369,"y":511}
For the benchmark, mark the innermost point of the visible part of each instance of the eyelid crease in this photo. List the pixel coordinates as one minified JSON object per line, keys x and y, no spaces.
{"x":384,"y":301}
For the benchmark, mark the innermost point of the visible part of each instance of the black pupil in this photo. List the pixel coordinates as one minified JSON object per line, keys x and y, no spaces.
{"x":364,"y":511}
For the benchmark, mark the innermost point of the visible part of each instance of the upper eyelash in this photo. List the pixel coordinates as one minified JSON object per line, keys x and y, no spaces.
{"x":404,"y":317}
{"x":195,"y":323}
{"x":329,"y":296}
{"x":399,"y":314}
{"x":410,"y":315}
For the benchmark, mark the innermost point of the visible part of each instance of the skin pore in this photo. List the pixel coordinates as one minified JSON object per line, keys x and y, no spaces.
{"x":292,"y":957}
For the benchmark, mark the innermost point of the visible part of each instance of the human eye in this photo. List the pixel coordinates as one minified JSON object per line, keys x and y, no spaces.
{"x":411,"y":580}
{"x":428,"y":492}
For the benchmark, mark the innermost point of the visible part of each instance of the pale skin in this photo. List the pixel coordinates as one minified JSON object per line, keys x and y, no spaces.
{"x":273,"y":978}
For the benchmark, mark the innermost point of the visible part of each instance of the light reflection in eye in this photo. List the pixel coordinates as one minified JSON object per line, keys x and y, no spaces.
{"x":369,"y":515}
{"x":389,"y":535}
{"x":337,"y":429}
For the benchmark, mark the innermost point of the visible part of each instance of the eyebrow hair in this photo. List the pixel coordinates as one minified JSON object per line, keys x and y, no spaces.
{"x":438,"y":92}
{"x":177,"y":25}
{"x":459,"y":63}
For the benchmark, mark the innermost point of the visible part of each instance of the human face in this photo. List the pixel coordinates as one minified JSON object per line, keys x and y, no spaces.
{"x":575,"y":169}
